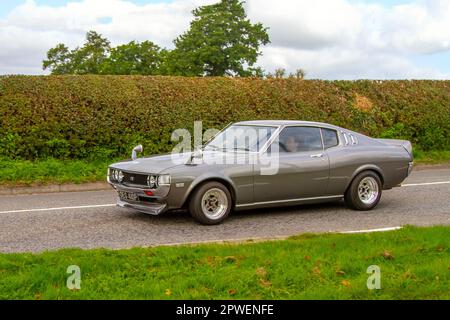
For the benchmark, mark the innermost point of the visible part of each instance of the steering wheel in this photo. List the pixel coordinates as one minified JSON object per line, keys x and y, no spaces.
{"x":283,"y":147}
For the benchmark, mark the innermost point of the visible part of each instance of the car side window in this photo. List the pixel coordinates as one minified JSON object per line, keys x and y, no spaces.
{"x":330,"y":138}
{"x":300,"y":139}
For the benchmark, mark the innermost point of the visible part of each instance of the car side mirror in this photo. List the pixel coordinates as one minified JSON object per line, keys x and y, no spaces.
{"x":136,"y":149}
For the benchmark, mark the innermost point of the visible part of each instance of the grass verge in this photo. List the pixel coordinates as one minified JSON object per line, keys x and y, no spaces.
{"x":24,"y":172}
{"x":414,"y":263}
{"x":431,"y":157}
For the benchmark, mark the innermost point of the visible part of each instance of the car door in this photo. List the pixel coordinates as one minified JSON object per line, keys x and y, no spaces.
{"x":303,"y":167}
{"x":340,"y":157}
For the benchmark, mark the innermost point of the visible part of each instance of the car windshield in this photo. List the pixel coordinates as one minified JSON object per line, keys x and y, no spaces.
{"x":241,"y":138}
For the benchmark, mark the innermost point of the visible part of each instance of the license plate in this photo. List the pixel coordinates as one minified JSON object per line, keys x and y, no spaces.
{"x":128,"y":196}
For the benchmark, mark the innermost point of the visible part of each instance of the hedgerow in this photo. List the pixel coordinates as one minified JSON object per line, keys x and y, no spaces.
{"x":86,"y":117}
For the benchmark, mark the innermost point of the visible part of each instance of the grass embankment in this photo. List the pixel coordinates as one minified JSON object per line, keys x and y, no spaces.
{"x":26,"y":172}
{"x":431,"y":157}
{"x":414,"y":263}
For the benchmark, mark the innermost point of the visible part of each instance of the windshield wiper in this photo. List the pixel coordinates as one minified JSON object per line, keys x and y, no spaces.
{"x":241,"y":148}
{"x":223,"y":148}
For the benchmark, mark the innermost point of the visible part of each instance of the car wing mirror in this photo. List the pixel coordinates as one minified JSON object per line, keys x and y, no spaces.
{"x":136,"y":149}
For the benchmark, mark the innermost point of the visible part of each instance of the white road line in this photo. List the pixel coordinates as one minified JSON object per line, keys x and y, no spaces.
{"x":373,"y":230}
{"x":424,"y":184}
{"x":113,"y":204}
{"x":60,"y":208}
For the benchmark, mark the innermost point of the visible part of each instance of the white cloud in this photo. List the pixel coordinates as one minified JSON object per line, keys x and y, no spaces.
{"x":30,"y":29}
{"x":341,"y":63}
{"x":335,"y":39}
{"x":328,"y":38}
{"x":306,"y":24}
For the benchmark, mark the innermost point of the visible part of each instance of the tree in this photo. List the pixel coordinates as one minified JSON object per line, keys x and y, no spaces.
{"x":58,"y":60}
{"x":221,"y":41}
{"x":299,"y":74}
{"x":134,"y":58}
{"x":280,"y":73}
{"x":97,"y":56}
{"x":85,"y":60}
{"x":89,"y":58}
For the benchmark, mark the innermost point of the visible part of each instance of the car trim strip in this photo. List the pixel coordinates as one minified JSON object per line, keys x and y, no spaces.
{"x":286,"y":201}
{"x":344,"y":134}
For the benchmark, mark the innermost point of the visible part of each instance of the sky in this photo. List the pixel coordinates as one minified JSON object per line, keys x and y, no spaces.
{"x":329,"y":39}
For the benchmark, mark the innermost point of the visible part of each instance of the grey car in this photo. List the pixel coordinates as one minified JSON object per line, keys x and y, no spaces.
{"x":256,"y":164}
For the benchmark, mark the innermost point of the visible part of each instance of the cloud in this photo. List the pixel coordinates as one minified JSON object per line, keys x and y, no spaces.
{"x":339,"y":63}
{"x":31,"y":29}
{"x":307,"y":24}
{"x":336,"y":39}
{"x":332,"y":39}
{"x":420,"y":27}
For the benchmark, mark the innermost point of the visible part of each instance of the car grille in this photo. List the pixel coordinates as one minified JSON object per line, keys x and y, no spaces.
{"x":134,"y":178}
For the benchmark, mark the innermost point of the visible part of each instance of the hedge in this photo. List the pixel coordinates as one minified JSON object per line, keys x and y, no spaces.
{"x":104,"y":116}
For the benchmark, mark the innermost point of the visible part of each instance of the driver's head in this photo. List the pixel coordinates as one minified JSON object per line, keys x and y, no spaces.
{"x":291,"y":144}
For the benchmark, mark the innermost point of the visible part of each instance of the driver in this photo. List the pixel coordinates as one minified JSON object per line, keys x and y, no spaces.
{"x":291,"y":144}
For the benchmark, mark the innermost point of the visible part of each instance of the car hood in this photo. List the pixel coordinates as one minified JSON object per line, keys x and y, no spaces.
{"x":154,"y":164}
{"x":158,"y":164}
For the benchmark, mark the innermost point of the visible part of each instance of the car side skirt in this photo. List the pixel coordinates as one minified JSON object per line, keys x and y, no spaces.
{"x":287,"y":202}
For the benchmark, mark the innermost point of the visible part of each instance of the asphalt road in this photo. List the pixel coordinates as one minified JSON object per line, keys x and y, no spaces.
{"x":34,"y":223}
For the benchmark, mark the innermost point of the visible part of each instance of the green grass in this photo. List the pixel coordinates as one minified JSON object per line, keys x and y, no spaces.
{"x":431,"y":157}
{"x":414,"y":262}
{"x":24,"y":172}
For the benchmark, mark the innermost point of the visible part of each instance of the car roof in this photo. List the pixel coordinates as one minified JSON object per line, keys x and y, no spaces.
{"x":285,"y":123}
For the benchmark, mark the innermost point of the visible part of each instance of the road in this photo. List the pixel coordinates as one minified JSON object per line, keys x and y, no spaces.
{"x":35,"y":223}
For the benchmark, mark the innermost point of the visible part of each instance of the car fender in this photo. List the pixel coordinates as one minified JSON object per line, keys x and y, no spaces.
{"x":365,"y":167}
{"x":210,"y":177}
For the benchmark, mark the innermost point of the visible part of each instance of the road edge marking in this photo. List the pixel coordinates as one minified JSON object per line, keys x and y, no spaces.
{"x":371,"y":230}
{"x":424,"y":184}
{"x":60,"y":208}
{"x":256,"y":239}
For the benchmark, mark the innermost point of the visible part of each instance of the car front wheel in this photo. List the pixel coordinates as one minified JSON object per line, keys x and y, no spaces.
{"x":211,"y":203}
{"x":364,"y":192}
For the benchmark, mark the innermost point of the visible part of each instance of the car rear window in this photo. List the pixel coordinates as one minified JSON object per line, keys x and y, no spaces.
{"x":330,"y":138}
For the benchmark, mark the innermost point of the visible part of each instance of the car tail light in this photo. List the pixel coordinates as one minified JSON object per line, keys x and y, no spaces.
{"x":148,"y":192}
{"x":410,"y":167}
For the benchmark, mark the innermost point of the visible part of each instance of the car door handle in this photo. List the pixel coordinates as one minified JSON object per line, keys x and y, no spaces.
{"x":319,"y":155}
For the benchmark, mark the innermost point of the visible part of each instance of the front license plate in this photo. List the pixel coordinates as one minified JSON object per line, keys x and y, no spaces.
{"x":128,"y":196}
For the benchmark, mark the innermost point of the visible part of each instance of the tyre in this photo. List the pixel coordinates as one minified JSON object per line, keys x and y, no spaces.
{"x":364,"y":192}
{"x":210,"y":203}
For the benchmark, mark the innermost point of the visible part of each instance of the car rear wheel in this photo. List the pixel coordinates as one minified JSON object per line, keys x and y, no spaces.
{"x":364,"y":192}
{"x":211,"y":203}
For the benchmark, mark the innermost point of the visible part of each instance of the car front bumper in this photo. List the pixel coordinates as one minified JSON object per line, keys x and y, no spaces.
{"x":153,"y":205}
{"x":150,"y":208}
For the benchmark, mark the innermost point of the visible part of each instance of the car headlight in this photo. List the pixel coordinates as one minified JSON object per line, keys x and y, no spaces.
{"x":115,"y":175}
{"x":152,"y":182}
{"x":120,"y":176}
{"x":164,"y":180}
{"x":112,"y":174}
